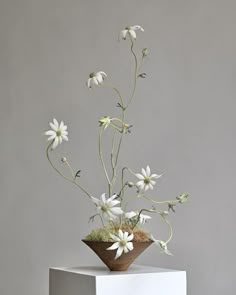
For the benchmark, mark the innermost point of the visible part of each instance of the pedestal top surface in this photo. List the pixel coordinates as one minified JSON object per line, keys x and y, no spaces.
{"x":104,"y":271}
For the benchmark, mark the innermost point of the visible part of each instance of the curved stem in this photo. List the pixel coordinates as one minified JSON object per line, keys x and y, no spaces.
{"x":116,"y":127}
{"x":160,"y":202}
{"x":102,"y":161}
{"x":145,"y":210}
{"x":59,"y":172}
{"x":71,"y":170}
{"x":171,"y":230}
{"x":135,"y":72}
{"x":121,"y":102}
{"x":92,"y":218}
{"x":112,"y":151}
{"x":141,"y":64}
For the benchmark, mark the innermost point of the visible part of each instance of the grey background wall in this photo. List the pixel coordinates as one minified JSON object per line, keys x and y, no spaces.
{"x":184,"y":127}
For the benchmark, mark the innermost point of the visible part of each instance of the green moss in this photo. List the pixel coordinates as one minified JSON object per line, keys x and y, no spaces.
{"x":103,"y":234}
{"x":100,"y":234}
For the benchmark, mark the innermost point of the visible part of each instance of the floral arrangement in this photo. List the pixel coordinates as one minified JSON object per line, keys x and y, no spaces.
{"x":119,"y":226}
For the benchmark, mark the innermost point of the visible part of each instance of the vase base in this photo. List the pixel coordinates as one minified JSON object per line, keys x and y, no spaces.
{"x":108,"y":256}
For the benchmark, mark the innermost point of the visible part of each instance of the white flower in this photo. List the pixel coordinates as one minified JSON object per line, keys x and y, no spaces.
{"x":57,"y":134}
{"x":162,"y":245}
{"x":146,"y":179}
{"x":122,"y":243}
{"x":131,"y":30}
{"x":107,"y":206}
{"x":96,"y":79}
{"x":142,"y":217}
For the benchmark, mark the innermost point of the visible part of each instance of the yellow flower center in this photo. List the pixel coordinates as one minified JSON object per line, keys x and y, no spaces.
{"x":92,"y":75}
{"x":122,"y":243}
{"x":58,"y":133}
{"x":105,"y":208}
{"x":147,"y":180}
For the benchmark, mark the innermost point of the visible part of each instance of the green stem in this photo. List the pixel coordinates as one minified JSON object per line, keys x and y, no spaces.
{"x":70,"y":168}
{"x":112,"y":151}
{"x":60,"y":173}
{"x":92,"y":218}
{"x":135,"y":71}
{"x":116,"y":127}
{"x":171,"y":230}
{"x":121,"y":102}
{"x":102,"y":161}
{"x":160,"y":202}
{"x":145,"y":210}
{"x":141,"y":64}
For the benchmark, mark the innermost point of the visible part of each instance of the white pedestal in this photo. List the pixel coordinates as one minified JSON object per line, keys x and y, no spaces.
{"x":138,"y":280}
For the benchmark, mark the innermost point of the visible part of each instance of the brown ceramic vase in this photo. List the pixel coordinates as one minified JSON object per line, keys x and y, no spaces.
{"x":108,"y":256}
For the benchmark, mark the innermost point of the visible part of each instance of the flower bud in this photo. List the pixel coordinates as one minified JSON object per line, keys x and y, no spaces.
{"x":130,"y":184}
{"x":145,"y":52}
{"x":182,"y":198}
{"x":63,"y":159}
{"x":105,"y":121}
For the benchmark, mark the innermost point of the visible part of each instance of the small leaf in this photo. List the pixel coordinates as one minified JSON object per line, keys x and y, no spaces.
{"x":77,"y":174}
{"x":142,"y":75}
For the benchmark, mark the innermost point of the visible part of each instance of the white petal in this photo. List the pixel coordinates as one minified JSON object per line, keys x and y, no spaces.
{"x":113,"y":203}
{"x":126,"y":235}
{"x":130,"y":246}
{"x":137,"y":27}
{"x":123,"y":34}
{"x":130,"y":214}
{"x":115,"y":238}
{"x":60,"y":139}
{"x":102,"y":73}
{"x":144,"y":172}
{"x":95,"y":81}
{"x":130,"y":237}
{"x":155,"y":176}
{"x":114,"y":246}
{"x":146,"y":187}
{"x":148,"y":171}
{"x":65,"y":137}
{"x":50,"y":132}
{"x":64,"y":132}
{"x":95,"y":201}
{"x":145,"y":216}
{"x":168,"y":253}
{"x":132,"y":34}
{"x":52,"y":137}
{"x":55,"y":143}
{"x":99,"y":78}
{"x":119,"y":252}
{"x":61,"y":125}
{"x":140,"y":184}
{"x":103,"y":198}
{"x":64,"y":128}
{"x":139,"y":176}
{"x":150,"y":186}
{"x":120,"y":234}
{"x":55,"y":123}
{"x":126,"y":250}
{"x":116,"y":210}
{"x":152,"y":182}
{"x":89,"y":83}
{"x":53,"y":126}
{"x":113,"y":197}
